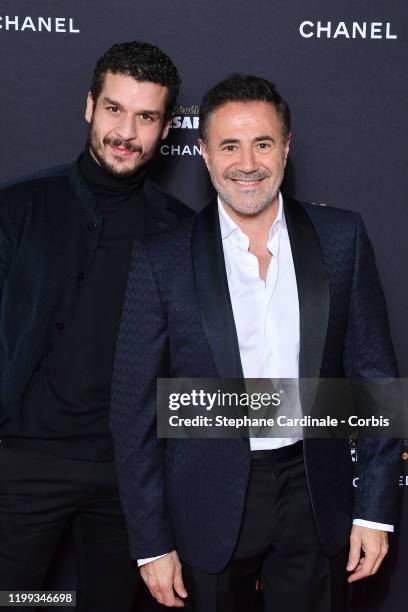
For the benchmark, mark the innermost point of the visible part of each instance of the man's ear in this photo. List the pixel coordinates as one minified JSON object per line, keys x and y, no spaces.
{"x":204,"y":151}
{"x":287,"y":146}
{"x":166,"y":129}
{"x":89,"y":107}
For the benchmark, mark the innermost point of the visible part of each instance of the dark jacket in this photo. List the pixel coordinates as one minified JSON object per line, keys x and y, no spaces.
{"x":189,"y":494}
{"x":49,"y":231}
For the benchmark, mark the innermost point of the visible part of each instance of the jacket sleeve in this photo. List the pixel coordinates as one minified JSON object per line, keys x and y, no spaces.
{"x":141,"y":357}
{"x":5,"y":253}
{"x":369,"y":355}
{"x":5,"y":265}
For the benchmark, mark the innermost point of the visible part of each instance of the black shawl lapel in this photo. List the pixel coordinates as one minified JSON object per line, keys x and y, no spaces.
{"x":213,"y":293}
{"x":312,"y":285}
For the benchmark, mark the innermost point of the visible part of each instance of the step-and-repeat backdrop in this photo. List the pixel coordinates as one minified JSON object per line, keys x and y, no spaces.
{"x":340,"y":65}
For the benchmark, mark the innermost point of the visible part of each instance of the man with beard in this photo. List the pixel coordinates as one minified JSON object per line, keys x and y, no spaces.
{"x":65,"y":244}
{"x":260,"y":286}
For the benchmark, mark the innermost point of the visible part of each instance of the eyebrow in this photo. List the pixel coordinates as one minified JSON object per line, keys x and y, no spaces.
{"x":227,"y":141}
{"x":108,"y":100}
{"x":266,"y":137}
{"x":113,"y":102}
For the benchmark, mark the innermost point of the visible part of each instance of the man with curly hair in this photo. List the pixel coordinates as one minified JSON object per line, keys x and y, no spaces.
{"x":65,"y":244}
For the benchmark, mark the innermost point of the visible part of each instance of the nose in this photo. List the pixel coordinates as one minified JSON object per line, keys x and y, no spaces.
{"x":247,"y":161}
{"x":126,"y":129}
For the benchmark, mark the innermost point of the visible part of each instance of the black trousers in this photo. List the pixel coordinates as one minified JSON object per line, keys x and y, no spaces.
{"x":40,"y":495}
{"x":278,"y":548}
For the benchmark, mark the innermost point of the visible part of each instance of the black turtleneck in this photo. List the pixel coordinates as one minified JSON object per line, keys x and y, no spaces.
{"x":110,"y":191}
{"x":66,"y":407}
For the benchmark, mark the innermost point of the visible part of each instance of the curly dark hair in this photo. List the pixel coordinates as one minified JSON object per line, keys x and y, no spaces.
{"x":243,"y":88}
{"x":143,"y":62}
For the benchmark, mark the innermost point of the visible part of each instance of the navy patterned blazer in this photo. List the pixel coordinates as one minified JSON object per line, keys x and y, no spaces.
{"x":178,"y":322}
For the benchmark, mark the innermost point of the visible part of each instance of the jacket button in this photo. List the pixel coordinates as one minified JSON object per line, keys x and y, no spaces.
{"x":92,"y":225}
{"x":60,"y":325}
{"x":80,"y":276}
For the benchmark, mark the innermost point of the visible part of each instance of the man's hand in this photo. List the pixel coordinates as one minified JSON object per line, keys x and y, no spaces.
{"x":164,"y":580}
{"x":374,"y":544}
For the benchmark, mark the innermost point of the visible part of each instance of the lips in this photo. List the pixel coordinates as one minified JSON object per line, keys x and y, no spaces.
{"x":121,"y":151}
{"x":247,"y":183}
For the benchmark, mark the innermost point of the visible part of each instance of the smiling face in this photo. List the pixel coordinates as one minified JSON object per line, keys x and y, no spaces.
{"x":126,"y":123}
{"x":245,"y":154}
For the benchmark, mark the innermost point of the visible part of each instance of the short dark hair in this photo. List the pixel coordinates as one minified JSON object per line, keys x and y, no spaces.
{"x":143,"y":62}
{"x":243,"y":88}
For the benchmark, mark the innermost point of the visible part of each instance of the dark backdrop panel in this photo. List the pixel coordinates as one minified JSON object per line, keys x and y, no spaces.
{"x":348,"y":96}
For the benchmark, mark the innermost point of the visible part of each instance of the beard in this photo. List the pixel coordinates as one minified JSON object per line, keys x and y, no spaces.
{"x":115,"y":169}
{"x":251,"y":202}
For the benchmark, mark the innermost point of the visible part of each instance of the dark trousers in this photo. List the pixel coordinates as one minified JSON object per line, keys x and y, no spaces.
{"x":278,"y":547}
{"x":40,"y":495}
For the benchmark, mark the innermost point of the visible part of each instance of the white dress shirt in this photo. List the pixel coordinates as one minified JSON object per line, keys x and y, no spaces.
{"x":266,"y":313}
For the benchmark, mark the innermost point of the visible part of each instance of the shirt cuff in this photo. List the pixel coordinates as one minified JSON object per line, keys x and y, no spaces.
{"x":141,"y":562}
{"x":373,"y":525}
